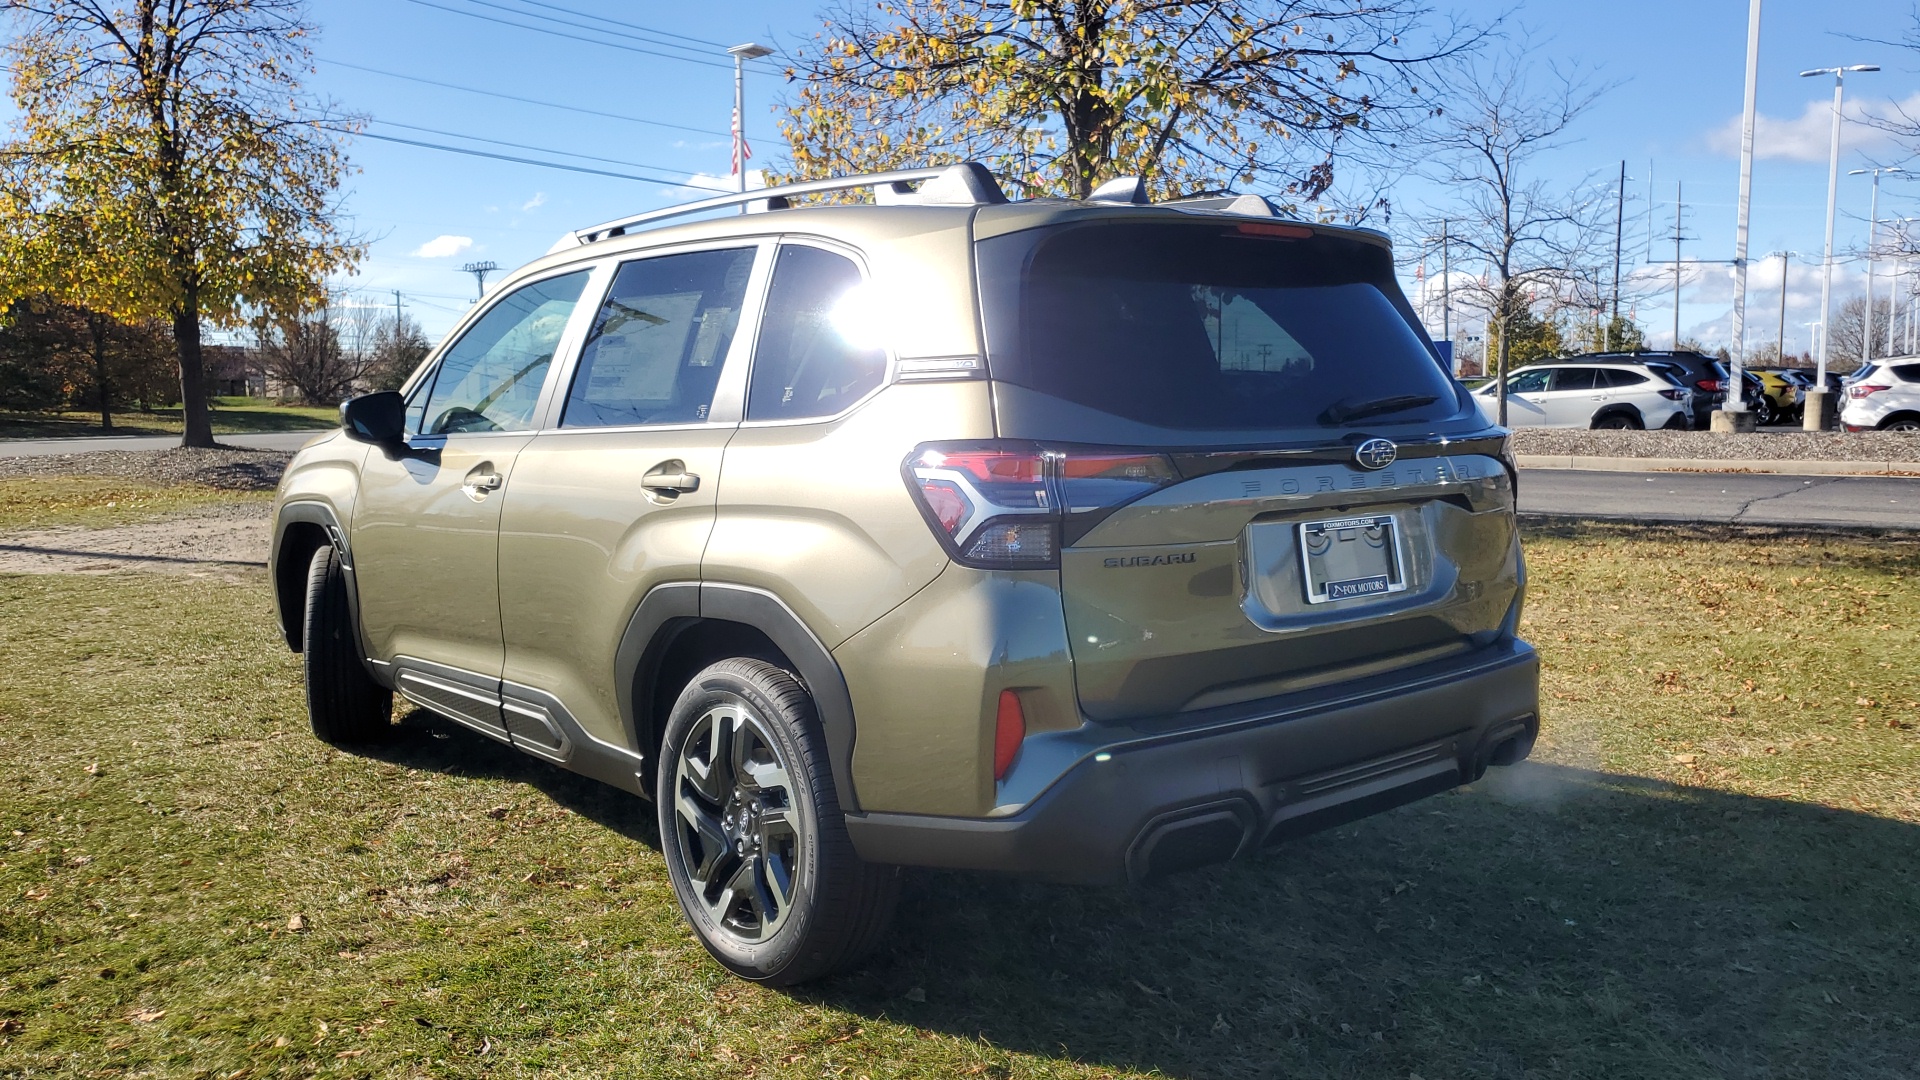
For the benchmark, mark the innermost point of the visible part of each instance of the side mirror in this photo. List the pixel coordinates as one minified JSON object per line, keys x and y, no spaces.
{"x":379,"y":418}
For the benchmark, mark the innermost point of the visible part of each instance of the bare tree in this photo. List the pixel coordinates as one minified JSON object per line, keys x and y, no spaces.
{"x":322,"y":356}
{"x":1843,"y":355}
{"x":1539,"y":244}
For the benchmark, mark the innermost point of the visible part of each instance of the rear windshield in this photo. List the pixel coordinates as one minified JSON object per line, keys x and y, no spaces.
{"x":1207,"y":327}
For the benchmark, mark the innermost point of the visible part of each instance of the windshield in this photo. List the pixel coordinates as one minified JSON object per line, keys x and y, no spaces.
{"x":1209,"y":326}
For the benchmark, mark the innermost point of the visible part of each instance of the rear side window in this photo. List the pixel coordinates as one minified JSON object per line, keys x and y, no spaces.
{"x":1907,"y":372}
{"x":1575,"y":378}
{"x":658,"y":343}
{"x":490,"y":379}
{"x":1617,"y":379}
{"x":817,"y":353}
{"x":1206,"y":326}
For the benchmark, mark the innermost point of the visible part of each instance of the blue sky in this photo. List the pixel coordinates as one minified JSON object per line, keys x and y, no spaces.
{"x":426,"y":212}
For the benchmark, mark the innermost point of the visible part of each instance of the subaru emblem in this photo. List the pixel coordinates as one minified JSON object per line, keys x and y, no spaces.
{"x":1376,"y":454}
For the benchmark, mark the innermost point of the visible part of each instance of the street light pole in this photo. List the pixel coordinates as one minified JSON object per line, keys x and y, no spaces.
{"x":1820,"y":406}
{"x":1619,"y":230}
{"x":1873,"y":235}
{"x":1735,"y":402}
{"x":741,"y":54}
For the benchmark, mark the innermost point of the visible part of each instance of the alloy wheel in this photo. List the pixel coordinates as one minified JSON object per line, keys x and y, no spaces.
{"x":741,"y":836}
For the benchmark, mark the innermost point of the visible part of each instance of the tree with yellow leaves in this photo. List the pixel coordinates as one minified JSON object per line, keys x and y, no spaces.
{"x":168,"y":164}
{"x":1059,"y":95}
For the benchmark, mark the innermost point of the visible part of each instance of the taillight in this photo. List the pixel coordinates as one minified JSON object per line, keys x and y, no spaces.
{"x":1859,"y":391}
{"x":1712,"y":386}
{"x":1009,"y":731}
{"x":1003,"y":505}
{"x":1674,"y":395}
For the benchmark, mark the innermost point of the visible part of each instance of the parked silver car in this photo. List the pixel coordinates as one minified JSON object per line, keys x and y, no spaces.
{"x":1884,"y":398}
{"x":1591,"y":396}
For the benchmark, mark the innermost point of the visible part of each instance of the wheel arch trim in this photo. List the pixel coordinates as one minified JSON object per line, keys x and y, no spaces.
{"x":669,"y":609}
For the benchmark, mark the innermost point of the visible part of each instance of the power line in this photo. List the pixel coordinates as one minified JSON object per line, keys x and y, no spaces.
{"x":525,"y":100}
{"x":599,"y":25}
{"x":530,"y":161}
{"x":621,"y":22}
{"x":571,"y":37}
{"x":522,"y":146}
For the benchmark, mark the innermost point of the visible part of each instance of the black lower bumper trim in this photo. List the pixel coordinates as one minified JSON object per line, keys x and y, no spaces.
{"x":1141,"y":811}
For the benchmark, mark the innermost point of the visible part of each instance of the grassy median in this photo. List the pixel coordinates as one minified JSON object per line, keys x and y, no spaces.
{"x":230,"y":416}
{"x":1711,"y":869}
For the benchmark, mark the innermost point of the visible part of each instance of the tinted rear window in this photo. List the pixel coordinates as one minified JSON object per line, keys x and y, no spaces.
{"x":1203,"y":327}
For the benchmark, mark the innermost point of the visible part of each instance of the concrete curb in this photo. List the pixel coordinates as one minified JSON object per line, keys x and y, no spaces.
{"x":1699,"y":465}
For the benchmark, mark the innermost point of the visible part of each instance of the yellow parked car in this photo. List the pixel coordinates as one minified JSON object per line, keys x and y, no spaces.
{"x":1783,"y":396}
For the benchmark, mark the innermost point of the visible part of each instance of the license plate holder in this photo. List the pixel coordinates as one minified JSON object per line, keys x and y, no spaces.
{"x":1351,"y":558}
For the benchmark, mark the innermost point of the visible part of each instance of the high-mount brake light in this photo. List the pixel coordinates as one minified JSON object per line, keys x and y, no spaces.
{"x":1002,"y":505}
{"x":1272,"y":231}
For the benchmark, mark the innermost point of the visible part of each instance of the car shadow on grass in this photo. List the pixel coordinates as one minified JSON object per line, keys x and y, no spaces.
{"x":425,"y":740}
{"x":1548,"y":921}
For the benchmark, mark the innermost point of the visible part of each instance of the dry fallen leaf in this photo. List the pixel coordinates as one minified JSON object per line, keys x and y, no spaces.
{"x":93,"y":769}
{"x":498,"y":812}
{"x":297,"y":923}
{"x":147,"y":1016}
{"x":1685,"y":759}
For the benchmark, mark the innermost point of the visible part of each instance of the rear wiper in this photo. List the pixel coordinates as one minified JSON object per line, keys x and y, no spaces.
{"x":1348,"y":409}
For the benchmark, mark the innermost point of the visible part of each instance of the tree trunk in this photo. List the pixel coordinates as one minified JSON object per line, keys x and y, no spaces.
{"x":198,"y":426}
{"x":1500,"y":384}
{"x":100,"y":380}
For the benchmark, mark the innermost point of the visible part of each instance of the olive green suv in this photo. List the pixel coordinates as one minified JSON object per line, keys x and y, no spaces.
{"x":1088,"y":540}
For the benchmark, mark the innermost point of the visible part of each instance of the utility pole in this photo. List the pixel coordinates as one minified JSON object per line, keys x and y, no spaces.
{"x":1446,"y":289}
{"x":1819,"y":410}
{"x":1786,"y":263}
{"x":1619,"y":231}
{"x":396,"y":315}
{"x":480,"y":270}
{"x":1735,"y":403}
{"x":1677,"y":207}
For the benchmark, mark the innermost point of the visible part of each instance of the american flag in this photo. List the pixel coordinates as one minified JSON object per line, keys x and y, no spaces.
{"x":741,"y":150}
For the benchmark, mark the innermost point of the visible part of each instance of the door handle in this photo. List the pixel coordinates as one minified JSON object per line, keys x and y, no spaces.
{"x":670,"y":478}
{"x":482,"y":480}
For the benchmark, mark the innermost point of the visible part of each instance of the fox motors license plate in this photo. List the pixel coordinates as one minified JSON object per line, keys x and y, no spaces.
{"x":1350,"y":558}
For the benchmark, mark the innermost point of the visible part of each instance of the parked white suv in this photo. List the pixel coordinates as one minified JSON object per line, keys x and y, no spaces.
{"x":1590,"y":396}
{"x":1885,"y":398}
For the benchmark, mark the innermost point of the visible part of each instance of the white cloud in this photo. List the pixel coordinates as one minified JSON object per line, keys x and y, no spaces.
{"x":539,"y":200}
{"x":1809,"y":136}
{"x":443,"y":247}
{"x":707,"y":185}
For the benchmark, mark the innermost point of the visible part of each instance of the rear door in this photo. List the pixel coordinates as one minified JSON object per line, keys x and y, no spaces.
{"x":1268,"y":481}
{"x":617,"y":495}
{"x":1572,"y":397}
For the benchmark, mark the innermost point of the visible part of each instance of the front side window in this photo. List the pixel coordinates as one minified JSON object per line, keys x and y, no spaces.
{"x":1529,"y":382}
{"x":818,"y":351}
{"x":656,"y":348}
{"x":490,"y":379}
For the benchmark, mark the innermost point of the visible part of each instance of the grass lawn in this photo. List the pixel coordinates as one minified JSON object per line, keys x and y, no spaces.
{"x":1712,"y":869}
{"x":34,"y":502}
{"x":231,"y":416}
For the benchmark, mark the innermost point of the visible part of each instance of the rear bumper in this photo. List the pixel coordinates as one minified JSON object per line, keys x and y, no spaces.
{"x":1154,"y":803}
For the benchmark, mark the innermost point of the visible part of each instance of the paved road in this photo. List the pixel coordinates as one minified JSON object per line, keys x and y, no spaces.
{"x":1878,"y":501}
{"x":279,"y":440}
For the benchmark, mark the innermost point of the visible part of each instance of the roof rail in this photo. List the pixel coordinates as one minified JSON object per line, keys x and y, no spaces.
{"x":967,"y":183}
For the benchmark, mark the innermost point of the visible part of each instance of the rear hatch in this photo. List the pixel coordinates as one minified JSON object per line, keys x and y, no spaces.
{"x":1266,"y":480}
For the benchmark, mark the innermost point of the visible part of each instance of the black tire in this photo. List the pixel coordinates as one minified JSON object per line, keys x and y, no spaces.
{"x":1764,"y":412}
{"x":1617,"y":422}
{"x":344,"y":704}
{"x":1903,"y":422}
{"x":740,"y":728}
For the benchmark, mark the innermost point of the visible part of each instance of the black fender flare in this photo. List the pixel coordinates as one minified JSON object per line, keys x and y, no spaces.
{"x":1629,"y":411}
{"x":668,"y":609}
{"x":314,"y":513}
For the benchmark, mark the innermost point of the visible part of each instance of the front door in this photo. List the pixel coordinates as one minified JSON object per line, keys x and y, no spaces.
{"x":426,"y":527}
{"x":617,"y":496}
